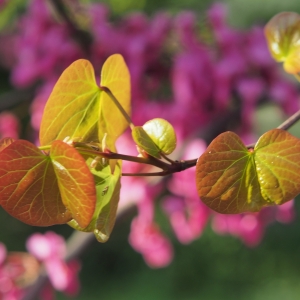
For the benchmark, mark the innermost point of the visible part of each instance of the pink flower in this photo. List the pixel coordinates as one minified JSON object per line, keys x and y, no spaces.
{"x":146,"y":238}
{"x":9,"y":125}
{"x":50,"y":249}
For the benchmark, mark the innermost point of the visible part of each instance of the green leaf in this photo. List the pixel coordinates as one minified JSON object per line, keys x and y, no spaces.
{"x":283,"y":35}
{"x":75,"y":182}
{"x":162,"y":134}
{"x":277,"y":159}
{"x":232,"y":179}
{"x":144,"y":142}
{"x":108,"y":192}
{"x":79,"y":109}
{"x":115,"y":76}
{"x":28,"y":186}
{"x":72,"y":109}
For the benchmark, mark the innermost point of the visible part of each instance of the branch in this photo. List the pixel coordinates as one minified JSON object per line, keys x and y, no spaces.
{"x":286,"y":125}
{"x":83,"y":38}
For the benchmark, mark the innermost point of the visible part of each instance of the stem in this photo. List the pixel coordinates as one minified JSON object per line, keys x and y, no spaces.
{"x":47,"y":147}
{"x":83,"y":38}
{"x":117,"y":103}
{"x":286,"y":125}
{"x":174,"y":167}
{"x":290,"y":121}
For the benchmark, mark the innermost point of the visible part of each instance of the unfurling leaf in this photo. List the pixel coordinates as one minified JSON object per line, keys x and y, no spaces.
{"x":232,"y":179}
{"x":78,"y":108}
{"x":162,"y":134}
{"x":75,"y":182}
{"x":144,"y":142}
{"x":28,"y":186}
{"x":156,"y":137}
{"x":108,"y":192}
{"x":283,"y":37}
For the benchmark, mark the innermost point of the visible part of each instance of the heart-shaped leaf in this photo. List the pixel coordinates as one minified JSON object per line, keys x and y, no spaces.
{"x":75,"y":182}
{"x":72,"y":109}
{"x":283,"y":37}
{"x":79,"y":109}
{"x":108,"y":192}
{"x":28,"y":186}
{"x":162,"y":134}
{"x":232,"y":179}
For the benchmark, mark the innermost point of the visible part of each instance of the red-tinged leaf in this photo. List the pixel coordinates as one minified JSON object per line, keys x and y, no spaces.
{"x":28,"y":186}
{"x":5,"y":142}
{"x":75,"y":181}
{"x":283,"y":37}
{"x":226,"y":178}
{"x":232,"y":179}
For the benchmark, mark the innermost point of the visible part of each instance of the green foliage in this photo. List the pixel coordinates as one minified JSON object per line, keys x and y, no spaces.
{"x":74,"y":177}
{"x":62,"y":185}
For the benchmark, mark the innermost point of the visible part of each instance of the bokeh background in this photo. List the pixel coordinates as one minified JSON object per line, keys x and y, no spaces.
{"x":211,"y":267}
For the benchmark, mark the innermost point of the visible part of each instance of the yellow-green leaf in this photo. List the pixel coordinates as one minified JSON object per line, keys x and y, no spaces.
{"x":277,"y":160}
{"x":144,"y":142}
{"x":115,"y":76}
{"x":108,"y":192}
{"x":283,"y":36}
{"x":162,"y":134}
{"x":79,"y":109}
{"x":72,"y":109}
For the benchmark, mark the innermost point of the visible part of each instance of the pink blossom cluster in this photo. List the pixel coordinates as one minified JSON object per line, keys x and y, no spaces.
{"x":18,"y":270}
{"x":10,"y":272}
{"x":9,"y":125}
{"x":176,"y":74}
{"x":50,"y":249}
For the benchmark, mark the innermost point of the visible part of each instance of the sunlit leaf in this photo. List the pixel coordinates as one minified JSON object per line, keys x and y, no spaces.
{"x":28,"y":186}
{"x":162,"y":134}
{"x":277,"y":160}
{"x":72,"y":109}
{"x":108,"y":192}
{"x":283,"y":37}
{"x":75,"y":181}
{"x":115,"y":76}
{"x":226,"y":178}
{"x":144,"y":142}
{"x":232,"y":179}
{"x":79,"y":109}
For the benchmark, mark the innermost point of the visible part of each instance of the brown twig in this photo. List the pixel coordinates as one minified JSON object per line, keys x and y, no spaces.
{"x":286,"y":125}
{"x":83,"y":38}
